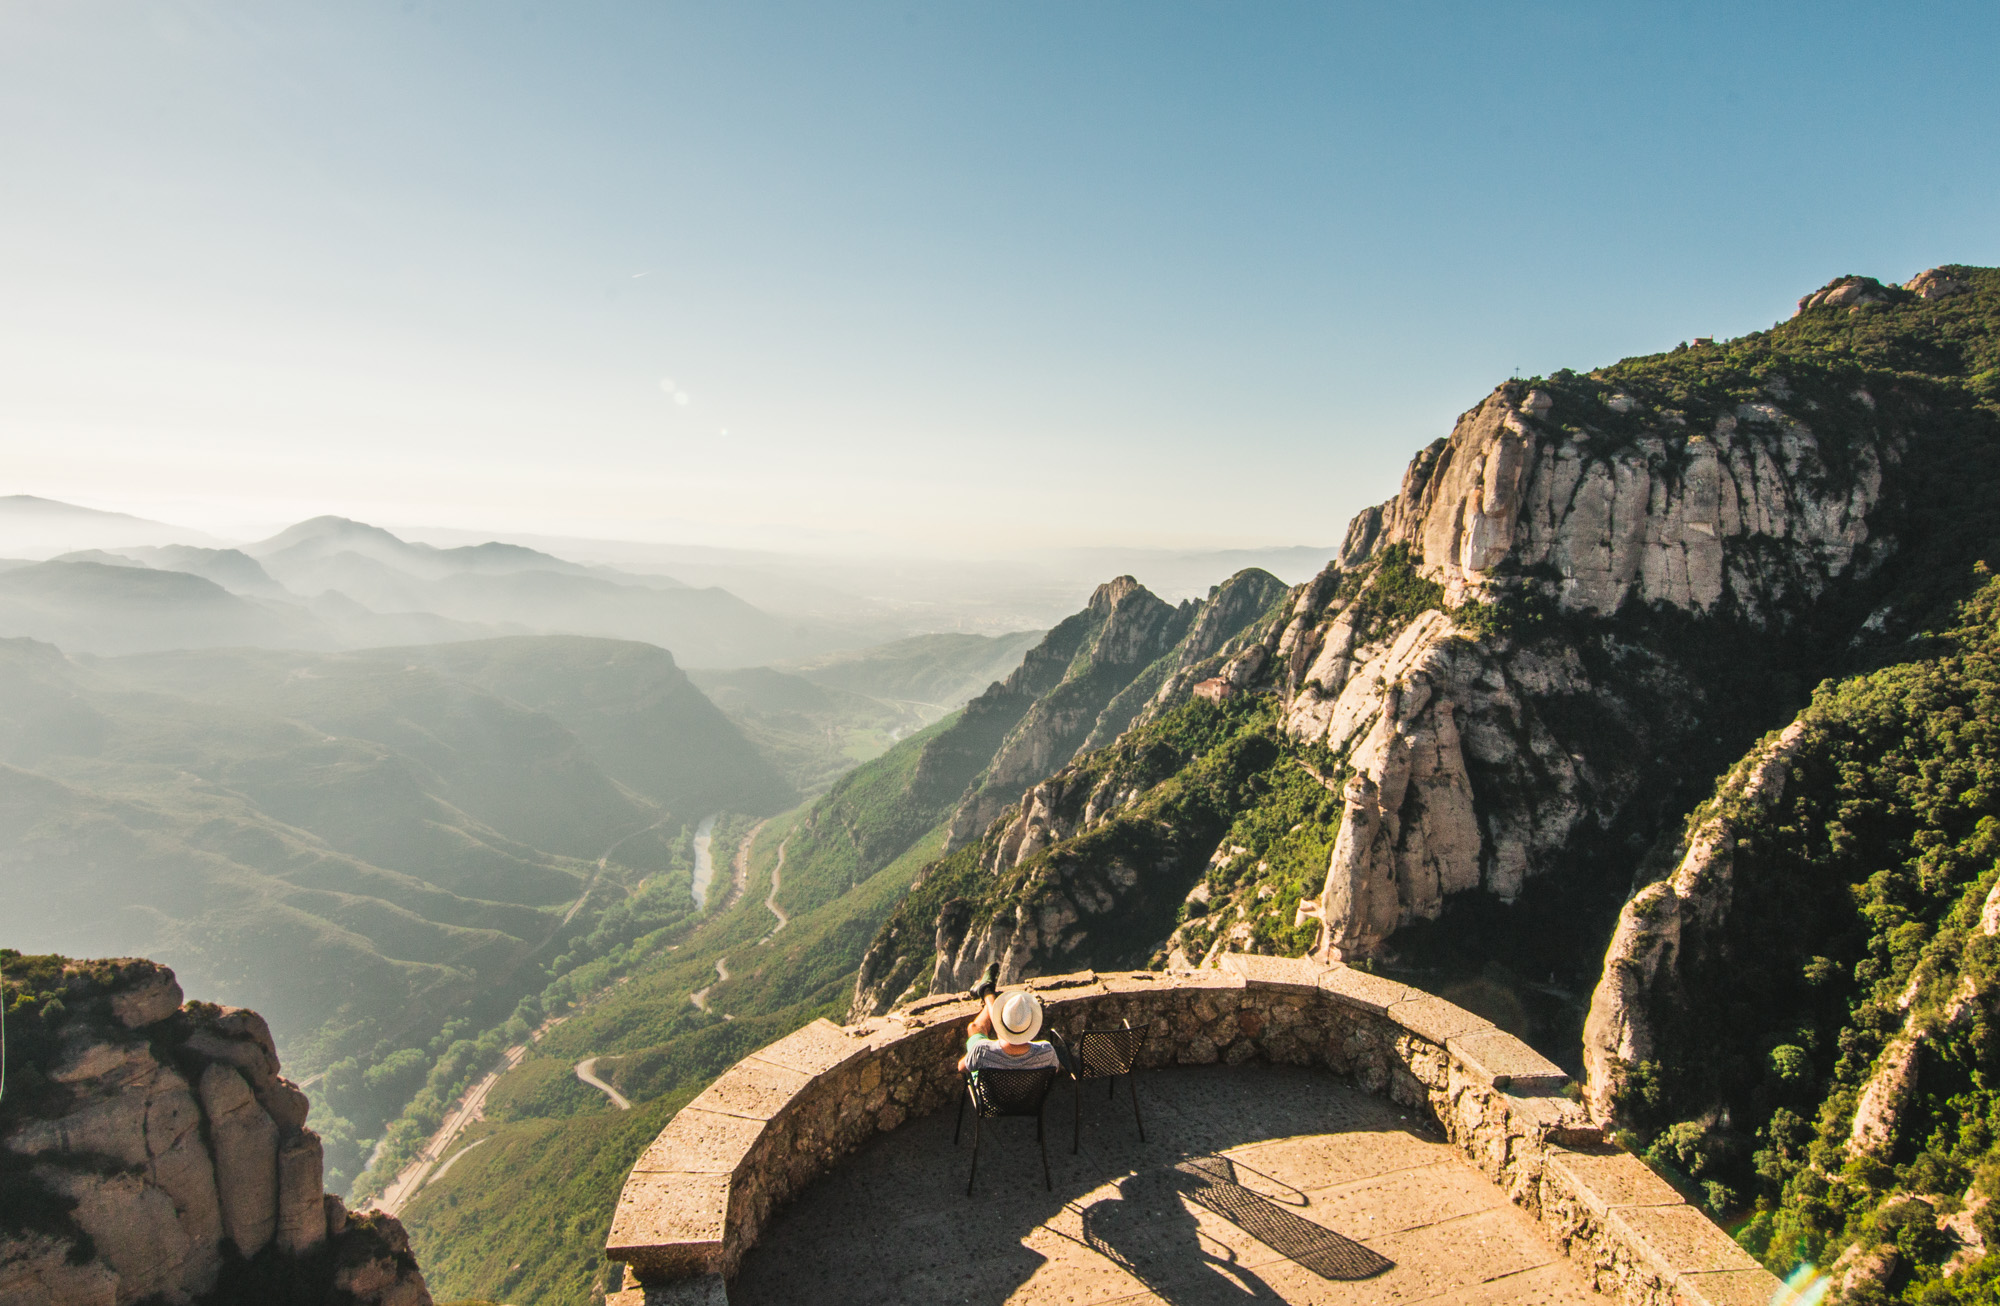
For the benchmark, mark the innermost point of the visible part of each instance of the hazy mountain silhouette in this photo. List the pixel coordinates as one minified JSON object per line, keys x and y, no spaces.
{"x":36,"y":528}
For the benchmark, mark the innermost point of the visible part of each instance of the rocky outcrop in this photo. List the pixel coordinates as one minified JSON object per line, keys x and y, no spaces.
{"x":1127,"y":629}
{"x":1670,"y":926}
{"x":1850,"y":293}
{"x":1127,"y":657}
{"x":1593,"y":594}
{"x":1606,"y":500}
{"x":1939,"y":283}
{"x":155,"y":1153}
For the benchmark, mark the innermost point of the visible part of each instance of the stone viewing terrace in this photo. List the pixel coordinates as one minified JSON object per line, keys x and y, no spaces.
{"x":1314,"y":1134}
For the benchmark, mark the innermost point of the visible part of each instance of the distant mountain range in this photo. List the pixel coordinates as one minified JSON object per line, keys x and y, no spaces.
{"x":331,"y":583}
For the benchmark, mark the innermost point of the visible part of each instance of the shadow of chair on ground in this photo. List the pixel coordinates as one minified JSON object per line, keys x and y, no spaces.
{"x":1151,"y":1234}
{"x":895,"y":1224}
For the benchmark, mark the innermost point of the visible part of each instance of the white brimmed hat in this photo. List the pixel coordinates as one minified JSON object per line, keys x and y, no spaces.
{"x":1017,"y":1017}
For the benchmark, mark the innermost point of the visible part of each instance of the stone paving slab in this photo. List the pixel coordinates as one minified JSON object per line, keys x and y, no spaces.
{"x":1683,"y":1239}
{"x":1435,"y":1019}
{"x":1608,"y":1179}
{"x":751,"y":1089}
{"x":1504,"y":1059}
{"x":1342,"y":1179}
{"x":813,"y":1049}
{"x":699,"y":1142}
{"x":1360,"y":989}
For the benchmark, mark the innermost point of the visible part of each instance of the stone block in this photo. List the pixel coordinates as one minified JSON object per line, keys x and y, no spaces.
{"x":1504,"y":1061}
{"x":1541,"y":1114}
{"x":1677,"y":1240}
{"x":1048,"y":984}
{"x":1295,"y":975}
{"x":1729,"y":1288}
{"x":755,"y":1090}
{"x":1611,"y":1179}
{"x":812,"y":1049}
{"x":696,"y":1141}
{"x":706,"y":1290}
{"x":1435,"y":1019}
{"x":668,"y":1226}
{"x":1357,"y":988}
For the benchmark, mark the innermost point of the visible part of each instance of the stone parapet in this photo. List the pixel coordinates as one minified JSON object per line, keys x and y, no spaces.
{"x":698,"y":1197}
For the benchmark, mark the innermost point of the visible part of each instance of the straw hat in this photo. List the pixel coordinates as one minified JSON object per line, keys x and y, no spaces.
{"x":1017,"y":1017}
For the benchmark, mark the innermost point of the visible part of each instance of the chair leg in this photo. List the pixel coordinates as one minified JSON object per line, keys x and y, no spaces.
{"x":960,"y":1126}
{"x":1133,"y":1084}
{"x":976,"y":1118}
{"x":1043,"y":1143}
{"x":1110,"y":1088}
{"x":1076,"y":1111}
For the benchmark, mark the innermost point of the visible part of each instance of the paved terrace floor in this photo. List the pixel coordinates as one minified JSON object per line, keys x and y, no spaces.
{"x":1258,"y":1184}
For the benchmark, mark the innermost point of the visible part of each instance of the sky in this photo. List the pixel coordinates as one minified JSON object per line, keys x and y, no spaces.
{"x":938,"y":278}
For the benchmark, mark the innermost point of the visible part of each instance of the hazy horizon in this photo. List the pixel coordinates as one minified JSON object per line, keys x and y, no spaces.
{"x":876,"y":279}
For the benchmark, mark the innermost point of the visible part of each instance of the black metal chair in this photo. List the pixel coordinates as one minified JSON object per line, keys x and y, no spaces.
{"x":1000,"y":1092}
{"x":1106,"y":1054}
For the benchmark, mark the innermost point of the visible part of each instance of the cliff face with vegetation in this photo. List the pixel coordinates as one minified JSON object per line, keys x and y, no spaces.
{"x":1524,"y":669}
{"x":1090,"y":680}
{"x":151,"y":1152}
{"x":1800,"y":1020}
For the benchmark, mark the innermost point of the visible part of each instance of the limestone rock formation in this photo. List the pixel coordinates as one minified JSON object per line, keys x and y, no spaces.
{"x":1580,"y":606}
{"x":1849,"y":293}
{"x":1128,"y":629}
{"x":1938,"y":283}
{"x":153,"y":1152}
{"x":1668,"y":926}
{"x":1098,"y":673}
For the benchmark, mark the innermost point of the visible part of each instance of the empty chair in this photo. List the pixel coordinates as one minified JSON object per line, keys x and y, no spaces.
{"x":995,"y":1093}
{"x":1105,"y":1054}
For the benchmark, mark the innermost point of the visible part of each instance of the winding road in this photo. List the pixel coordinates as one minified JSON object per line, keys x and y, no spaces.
{"x":771,"y":902}
{"x":468,"y":1109}
{"x":700,"y":996}
{"x":586,"y":1071}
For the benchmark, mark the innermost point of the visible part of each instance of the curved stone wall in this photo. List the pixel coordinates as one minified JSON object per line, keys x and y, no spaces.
{"x":775,"y":1121}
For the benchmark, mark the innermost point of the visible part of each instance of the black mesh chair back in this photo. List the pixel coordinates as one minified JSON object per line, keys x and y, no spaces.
{"x":1107,"y":1054}
{"x":999,"y":1092}
{"x":1012,"y":1092}
{"x":1102,"y":1053}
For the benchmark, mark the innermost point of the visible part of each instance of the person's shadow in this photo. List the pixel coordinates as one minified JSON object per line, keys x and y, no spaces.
{"x":1149,"y":1232}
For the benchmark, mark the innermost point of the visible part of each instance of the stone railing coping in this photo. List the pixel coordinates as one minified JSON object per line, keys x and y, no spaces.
{"x":700,"y":1192}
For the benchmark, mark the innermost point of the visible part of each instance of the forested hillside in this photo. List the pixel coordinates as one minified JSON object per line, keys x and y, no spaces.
{"x":381,"y":851}
{"x":1817,"y":1043}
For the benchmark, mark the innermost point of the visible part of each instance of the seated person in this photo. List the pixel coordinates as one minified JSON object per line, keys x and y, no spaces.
{"x":1002,"y":1037}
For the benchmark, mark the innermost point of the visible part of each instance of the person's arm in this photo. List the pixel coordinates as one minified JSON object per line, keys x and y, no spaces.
{"x":980,"y":1027}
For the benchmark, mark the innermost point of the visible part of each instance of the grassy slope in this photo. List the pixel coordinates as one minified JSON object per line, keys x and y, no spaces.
{"x":524,"y":1216}
{"x":379,"y":851}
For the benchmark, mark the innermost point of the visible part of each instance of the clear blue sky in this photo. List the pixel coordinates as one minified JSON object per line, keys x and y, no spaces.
{"x":971,"y":275}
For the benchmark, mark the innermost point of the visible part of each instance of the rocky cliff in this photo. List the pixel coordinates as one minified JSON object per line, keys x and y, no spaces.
{"x":1094,"y":676}
{"x":1526,"y":667}
{"x":150,"y":1151}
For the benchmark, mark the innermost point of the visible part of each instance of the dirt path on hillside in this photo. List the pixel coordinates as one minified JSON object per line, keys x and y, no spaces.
{"x":771,"y":902}
{"x":586,"y":1071}
{"x":700,"y":996}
